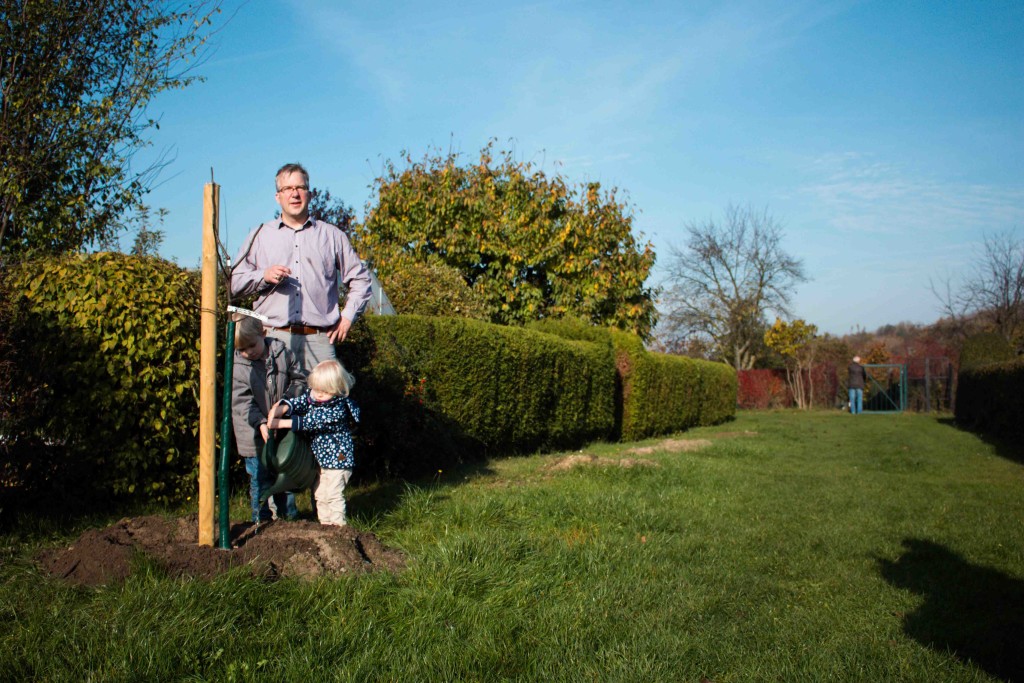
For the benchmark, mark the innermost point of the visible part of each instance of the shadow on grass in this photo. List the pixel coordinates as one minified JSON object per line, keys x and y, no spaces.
{"x":973,"y":611}
{"x":373,"y":499}
{"x":1011,"y":449}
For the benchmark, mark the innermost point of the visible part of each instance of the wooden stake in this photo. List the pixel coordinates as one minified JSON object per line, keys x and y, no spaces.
{"x":208,"y":364}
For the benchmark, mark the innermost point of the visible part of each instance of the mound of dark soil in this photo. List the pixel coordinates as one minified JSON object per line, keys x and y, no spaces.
{"x":300,"y":549}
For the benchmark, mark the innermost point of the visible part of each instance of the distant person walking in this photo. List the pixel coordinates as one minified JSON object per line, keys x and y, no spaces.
{"x":858,"y":379}
{"x":293,"y":265}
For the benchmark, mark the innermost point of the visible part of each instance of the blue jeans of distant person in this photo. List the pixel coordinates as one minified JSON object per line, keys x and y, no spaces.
{"x":259,"y":481}
{"x":856,"y":401}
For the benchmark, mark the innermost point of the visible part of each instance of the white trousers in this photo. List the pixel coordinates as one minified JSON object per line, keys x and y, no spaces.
{"x":329,"y":489}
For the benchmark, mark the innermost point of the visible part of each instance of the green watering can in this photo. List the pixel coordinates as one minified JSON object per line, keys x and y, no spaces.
{"x":291,"y":461}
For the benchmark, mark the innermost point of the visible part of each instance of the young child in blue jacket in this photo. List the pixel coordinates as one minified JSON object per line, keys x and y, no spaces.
{"x":326,"y":415}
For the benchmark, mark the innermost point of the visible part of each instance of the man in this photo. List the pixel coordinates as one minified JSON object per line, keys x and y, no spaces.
{"x":293,"y":265}
{"x":858,"y":376}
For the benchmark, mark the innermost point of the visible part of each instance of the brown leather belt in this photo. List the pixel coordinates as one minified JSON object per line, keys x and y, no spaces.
{"x":300,"y":329}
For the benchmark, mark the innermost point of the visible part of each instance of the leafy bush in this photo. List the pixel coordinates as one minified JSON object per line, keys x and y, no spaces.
{"x":719,"y":389}
{"x":531,"y":246}
{"x":574,"y":328}
{"x":762,"y":388}
{"x":656,"y":393}
{"x":430,"y":288}
{"x":107,"y":349}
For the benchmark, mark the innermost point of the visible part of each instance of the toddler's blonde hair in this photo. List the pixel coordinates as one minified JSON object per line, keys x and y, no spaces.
{"x":247,"y":331}
{"x":331,"y":377}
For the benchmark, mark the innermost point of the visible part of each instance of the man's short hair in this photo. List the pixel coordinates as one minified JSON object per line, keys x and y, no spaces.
{"x":291,"y":168}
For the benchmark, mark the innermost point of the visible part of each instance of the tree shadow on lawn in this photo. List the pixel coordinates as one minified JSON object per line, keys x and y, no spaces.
{"x":1006,"y":447}
{"x":973,"y":611}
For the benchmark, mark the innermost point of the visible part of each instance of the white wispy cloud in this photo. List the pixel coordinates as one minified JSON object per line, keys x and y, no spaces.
{"x":551,"y":72}
{"x":862,"y":194}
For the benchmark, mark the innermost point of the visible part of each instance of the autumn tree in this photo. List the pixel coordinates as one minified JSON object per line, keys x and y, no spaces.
{"x":794,"y":341}
{"x":529,"y":245}
{"x":333,"y":210}
{"x":76,"y":77}
{"x":725,"y":281}
{"x":877,"y":354}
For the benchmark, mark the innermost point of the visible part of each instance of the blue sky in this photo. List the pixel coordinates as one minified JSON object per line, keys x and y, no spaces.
{"x":886,"y":137}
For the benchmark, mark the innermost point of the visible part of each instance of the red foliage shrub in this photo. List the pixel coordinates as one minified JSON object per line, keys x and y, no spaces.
{"x":763,"y":389}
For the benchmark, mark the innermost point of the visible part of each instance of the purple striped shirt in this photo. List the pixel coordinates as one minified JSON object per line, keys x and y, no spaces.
{"x":319,"y":256}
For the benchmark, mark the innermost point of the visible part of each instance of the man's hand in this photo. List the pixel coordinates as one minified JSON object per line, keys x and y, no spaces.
{"x":340,"y":331}
{"x":275,"y":275}
{"x":265,"y":432}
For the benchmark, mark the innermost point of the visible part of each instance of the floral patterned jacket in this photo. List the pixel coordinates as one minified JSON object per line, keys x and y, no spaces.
{"x":329,"y":425}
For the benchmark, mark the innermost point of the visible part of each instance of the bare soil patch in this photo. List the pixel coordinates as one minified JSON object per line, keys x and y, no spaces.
{"x":687,"y":445}
{"x":586,"y":459}
{"x":301,"y":549}
{"x":672,"y":446}
{"x":668,"y":445}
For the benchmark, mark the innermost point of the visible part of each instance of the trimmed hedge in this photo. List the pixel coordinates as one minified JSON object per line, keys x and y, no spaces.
{"x":985,"y":347}
{"x":663,"y":394}
{"x":657,"y":393}
{"x":990,"y":398}
{"x":106,"y":364}
{"x":444,"y":388}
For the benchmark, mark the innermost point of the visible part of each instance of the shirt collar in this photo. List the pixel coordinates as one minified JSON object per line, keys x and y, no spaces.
{"x":310,"y":222}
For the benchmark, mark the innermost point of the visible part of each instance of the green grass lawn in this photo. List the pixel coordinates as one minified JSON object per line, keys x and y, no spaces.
{"x":796,"y":547}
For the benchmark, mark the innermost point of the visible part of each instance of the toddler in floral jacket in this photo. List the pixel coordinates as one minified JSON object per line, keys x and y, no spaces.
{"x":326,"y":416}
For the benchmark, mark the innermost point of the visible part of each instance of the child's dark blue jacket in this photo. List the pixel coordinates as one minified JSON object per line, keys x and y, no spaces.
{"x":328,"y":423}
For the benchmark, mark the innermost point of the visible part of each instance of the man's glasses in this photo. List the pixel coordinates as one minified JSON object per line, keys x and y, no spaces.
{"x":288,"y":189}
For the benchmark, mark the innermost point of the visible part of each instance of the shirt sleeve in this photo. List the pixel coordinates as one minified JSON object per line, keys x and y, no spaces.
{"x":246,"y":274}
{"x":296,"y":406}
{"x":355,"y":276}
{"x":317,"y":421}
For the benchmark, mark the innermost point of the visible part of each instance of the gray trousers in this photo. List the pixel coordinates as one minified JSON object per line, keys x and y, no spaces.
{"x":309,"y":349}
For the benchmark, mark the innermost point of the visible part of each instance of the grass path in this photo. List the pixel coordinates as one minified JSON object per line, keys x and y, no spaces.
{"x":794,"y":547}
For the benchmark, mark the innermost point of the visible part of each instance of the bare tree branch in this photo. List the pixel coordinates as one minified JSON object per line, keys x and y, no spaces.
{"x":990,"y":296}
{"x":725,"y":281}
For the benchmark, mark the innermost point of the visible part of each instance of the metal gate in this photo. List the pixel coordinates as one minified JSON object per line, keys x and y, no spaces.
{"x":887,"y":388}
